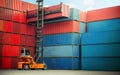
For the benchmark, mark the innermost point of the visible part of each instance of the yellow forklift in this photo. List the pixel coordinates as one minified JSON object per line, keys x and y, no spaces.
{"x":27,"y":61}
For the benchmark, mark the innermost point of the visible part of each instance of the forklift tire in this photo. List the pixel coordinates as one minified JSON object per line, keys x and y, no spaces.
{"x":26,"y":67}
{"x":45,"y":67}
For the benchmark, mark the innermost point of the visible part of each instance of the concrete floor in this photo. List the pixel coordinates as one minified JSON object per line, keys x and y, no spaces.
{"x":56,"y":72}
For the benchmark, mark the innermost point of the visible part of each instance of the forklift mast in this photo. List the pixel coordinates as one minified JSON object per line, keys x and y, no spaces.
{"x":40,"y":31}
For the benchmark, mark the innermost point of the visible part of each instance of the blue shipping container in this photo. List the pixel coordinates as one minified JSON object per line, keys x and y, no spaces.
{"x":62,"y":63}
{"x":82,"y":27}
{"x":100,"y":64}
{"x":105,"y":25}
{"x":105,"y":50}
{"x":61,"y":51}
{"x":61,"y":39}
{"x":100,"y":37}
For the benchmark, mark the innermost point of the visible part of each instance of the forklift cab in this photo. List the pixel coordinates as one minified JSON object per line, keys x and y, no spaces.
{"x":24,"y":52}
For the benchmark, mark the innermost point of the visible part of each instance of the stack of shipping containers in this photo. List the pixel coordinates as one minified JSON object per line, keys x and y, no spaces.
{"x":101,"y":44}
{"x":61,"y":42}
{"x":14,"y":32}
{"x":72,"y":39}
{"x":61,"y":36}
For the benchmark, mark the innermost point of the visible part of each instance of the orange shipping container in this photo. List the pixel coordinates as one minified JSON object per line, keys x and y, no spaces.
{"x":103,"y":14}
{"x":1,"y":25}
{"x":83,"y":16}
{"x":61,"y":27}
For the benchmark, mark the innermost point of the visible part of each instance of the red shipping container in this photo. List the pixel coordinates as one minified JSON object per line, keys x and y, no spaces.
{"x":23,"y":39}
{"x":6,"y":50}
{"x":31,"y":29}
{"x":2,"y":13}
{"x":15,"y":39}
{"x":2,"y":3}
{"x":31,"y":41}
{"x":24,"y":6}
{"x":16,"y":16}
{"x":1,"y":48}
{"x":7,"y":38}
{"x":8,"y":14}
{"x":16,"y":27}
{"x":23,"y":17}
{"x":16,"y":5}
{"x":15,"y":51}
{"x":63,"y":13}
{"x":103,"y":14}
{"x":1,"y":37}
{"x":1,"y":25}
{"x":9,"y":4}
{"x":61,"y":27}
{"x":23,"y":29}
{"x":83,"y":16}
{"x":6,"y":63}
{"x":7,"y":26}
{"x":14,"y":62}
{"x":32,"y":51}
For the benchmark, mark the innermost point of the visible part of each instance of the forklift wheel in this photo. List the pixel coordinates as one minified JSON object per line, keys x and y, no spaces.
{"x":26,"y":67}
{"x":45,"y":67}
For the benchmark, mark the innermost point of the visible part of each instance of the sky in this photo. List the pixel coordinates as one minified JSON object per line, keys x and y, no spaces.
{"x":81,"y":4}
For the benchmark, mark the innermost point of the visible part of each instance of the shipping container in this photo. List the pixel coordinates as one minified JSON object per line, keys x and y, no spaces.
{"x":31,"y":6}
{"x":62,"y":63}
{"x":15,"y":39}
{"x":6,"y":50}
{"x":2,"y":13}
{"x":14,"y":61}
{"x":16,"y":27}
{"x":23,"y":29}
{"x":7,"y":38}
{"x":16,"y":5}
{"x":82,"y":27}
{"x":16,"y":16}
{"x":8,"y":4}
{"x":30,"y":29}
{"x":100,"y":37}
{"x":8,"y":14}
{"x":2,"y":25}
{"x":105,"y":25}
{"x":104,"y":64}
{"x":1,"y":37}
{"x":15,"y":51}
{"x":6,"y":63}
{"x":83,"y":16}
{"x":2,"y":3}
{"x":74,"y":14}
{"x":23,"y":40}
{"x":103,"y":14}
{"x":23,"y":17}
{"x":61,"y":39}
{"x":61,"y":27}
{"x":52,"y":12}
{"x":8,"y":26}
{"x":24,"y":6}
{"x":103,"y":50}
{"x":61,"y":51}
{"x":30,"y":40}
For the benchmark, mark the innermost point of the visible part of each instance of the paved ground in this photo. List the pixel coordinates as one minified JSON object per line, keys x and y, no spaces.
{"x":56,"y":72}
